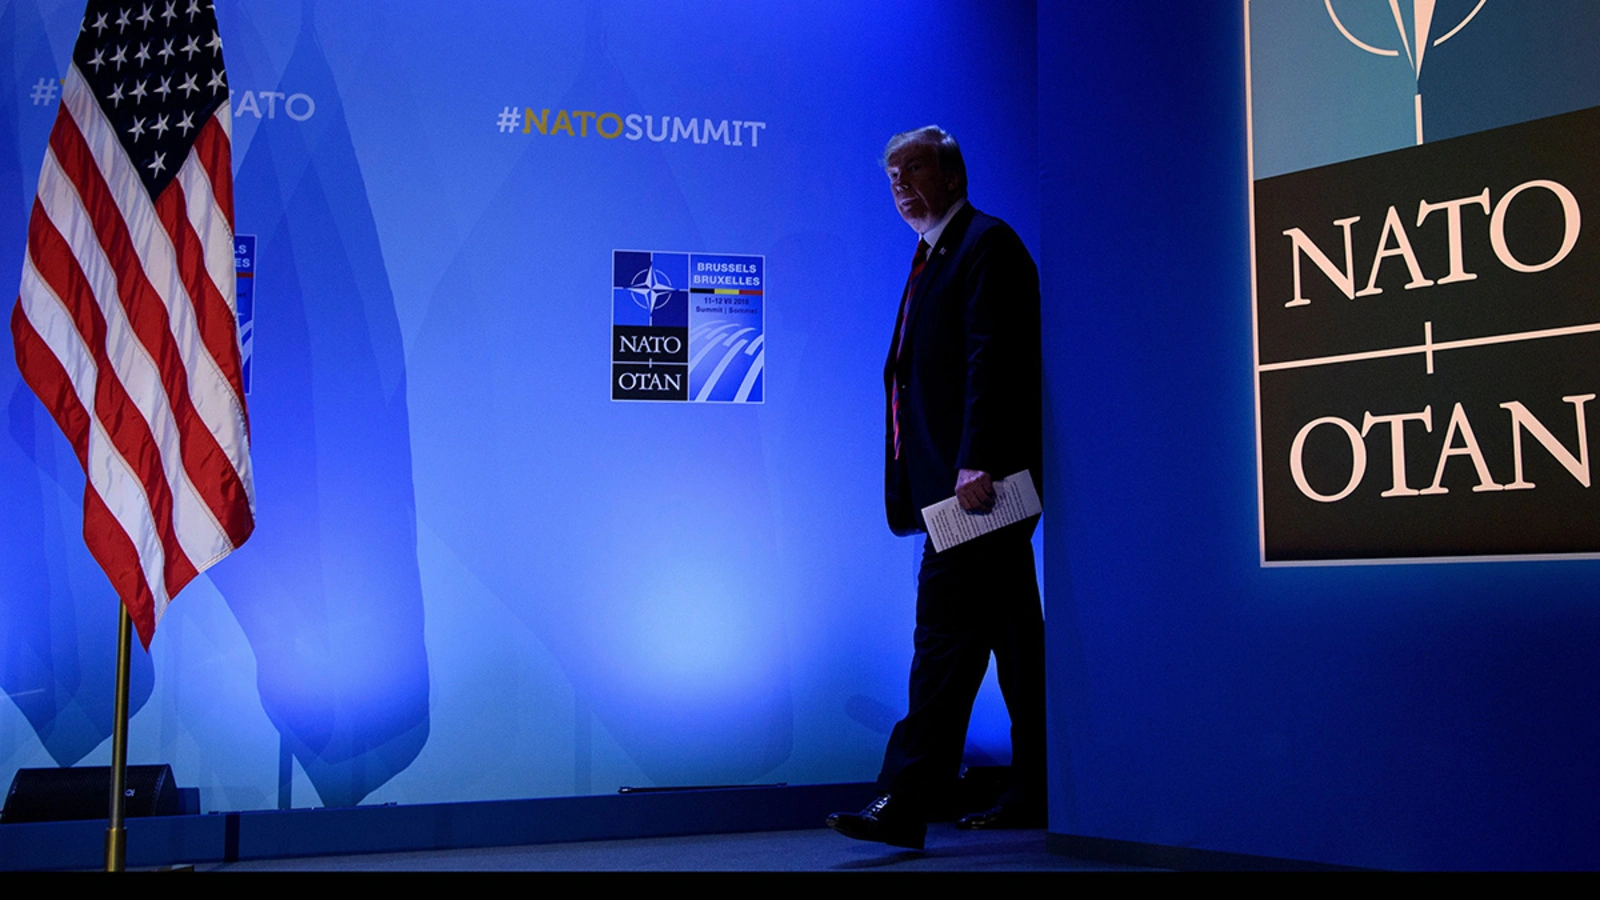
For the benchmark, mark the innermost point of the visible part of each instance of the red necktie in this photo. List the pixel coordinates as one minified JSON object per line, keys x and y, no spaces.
{"x":917,"y":262}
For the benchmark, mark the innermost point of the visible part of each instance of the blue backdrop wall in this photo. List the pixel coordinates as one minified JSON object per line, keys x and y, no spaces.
{"x":476,"y":576}
{"x":1414,"y":716}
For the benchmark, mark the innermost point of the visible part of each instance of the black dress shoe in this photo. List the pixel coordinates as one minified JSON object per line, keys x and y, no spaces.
{"x":998,"y":817}
{"x":884,"y":821}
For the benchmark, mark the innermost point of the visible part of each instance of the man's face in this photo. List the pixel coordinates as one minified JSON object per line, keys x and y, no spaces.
{"x":922,"y":192}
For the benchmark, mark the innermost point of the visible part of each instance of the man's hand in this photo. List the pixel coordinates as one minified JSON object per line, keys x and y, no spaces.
{"x":974,"y":490}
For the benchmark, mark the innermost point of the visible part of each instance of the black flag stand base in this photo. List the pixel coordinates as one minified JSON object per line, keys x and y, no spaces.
{"x":116,"y":834}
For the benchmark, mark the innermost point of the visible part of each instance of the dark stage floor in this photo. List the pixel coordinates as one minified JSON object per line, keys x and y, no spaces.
{"x":817,"y":850}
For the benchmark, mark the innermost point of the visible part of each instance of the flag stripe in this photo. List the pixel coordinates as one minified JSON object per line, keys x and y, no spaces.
{"x":42,"y":370}
{"x":206,"y":214}
{"x":115,"y":552}
{"x":214,"y":148}
{"x":186,"y":213}
{"x":51,"y":328}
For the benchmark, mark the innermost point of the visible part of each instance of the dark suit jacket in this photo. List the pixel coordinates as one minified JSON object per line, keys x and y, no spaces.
{"x":968,"y":370}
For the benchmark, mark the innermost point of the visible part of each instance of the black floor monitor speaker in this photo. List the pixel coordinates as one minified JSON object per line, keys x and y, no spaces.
{"x":53,"y":795}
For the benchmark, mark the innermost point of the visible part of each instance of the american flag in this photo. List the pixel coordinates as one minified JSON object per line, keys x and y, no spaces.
{"x":125,"y":322}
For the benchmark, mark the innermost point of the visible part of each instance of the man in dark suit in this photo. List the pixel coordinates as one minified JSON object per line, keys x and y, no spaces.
{"x":962,"y":383}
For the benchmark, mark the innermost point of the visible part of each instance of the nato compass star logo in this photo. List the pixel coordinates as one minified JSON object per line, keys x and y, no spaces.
{"x":1415,"y":38}
{"x":651,"y":289}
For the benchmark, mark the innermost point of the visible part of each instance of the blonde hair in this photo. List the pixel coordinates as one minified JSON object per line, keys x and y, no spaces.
{"x":944,"y":145}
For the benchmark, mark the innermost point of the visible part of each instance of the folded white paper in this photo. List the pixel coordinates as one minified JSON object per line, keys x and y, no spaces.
{"x":949,"y":524}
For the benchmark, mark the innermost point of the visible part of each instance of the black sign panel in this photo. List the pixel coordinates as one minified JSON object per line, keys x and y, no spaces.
{"x":649,"y":343}
{"x":1428,"y":331}
{"x":649,"y":382}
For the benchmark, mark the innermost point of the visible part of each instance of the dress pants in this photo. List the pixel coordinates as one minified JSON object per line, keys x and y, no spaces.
{"x":973,"y":599}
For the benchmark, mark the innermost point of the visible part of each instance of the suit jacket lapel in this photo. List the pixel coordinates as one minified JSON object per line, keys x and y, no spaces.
{"x":939,"y":261}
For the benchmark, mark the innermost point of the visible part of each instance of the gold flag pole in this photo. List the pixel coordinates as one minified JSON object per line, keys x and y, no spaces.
{"x":116,"y":834}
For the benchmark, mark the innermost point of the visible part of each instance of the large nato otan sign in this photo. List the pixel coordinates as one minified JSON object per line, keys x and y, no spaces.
{"x":1427,"y":317}
{"x":687,"y":327}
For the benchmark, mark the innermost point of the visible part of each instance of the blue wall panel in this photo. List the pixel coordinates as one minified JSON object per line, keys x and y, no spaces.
{"x":1413,"y":716}
{"x":475,"y":576}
